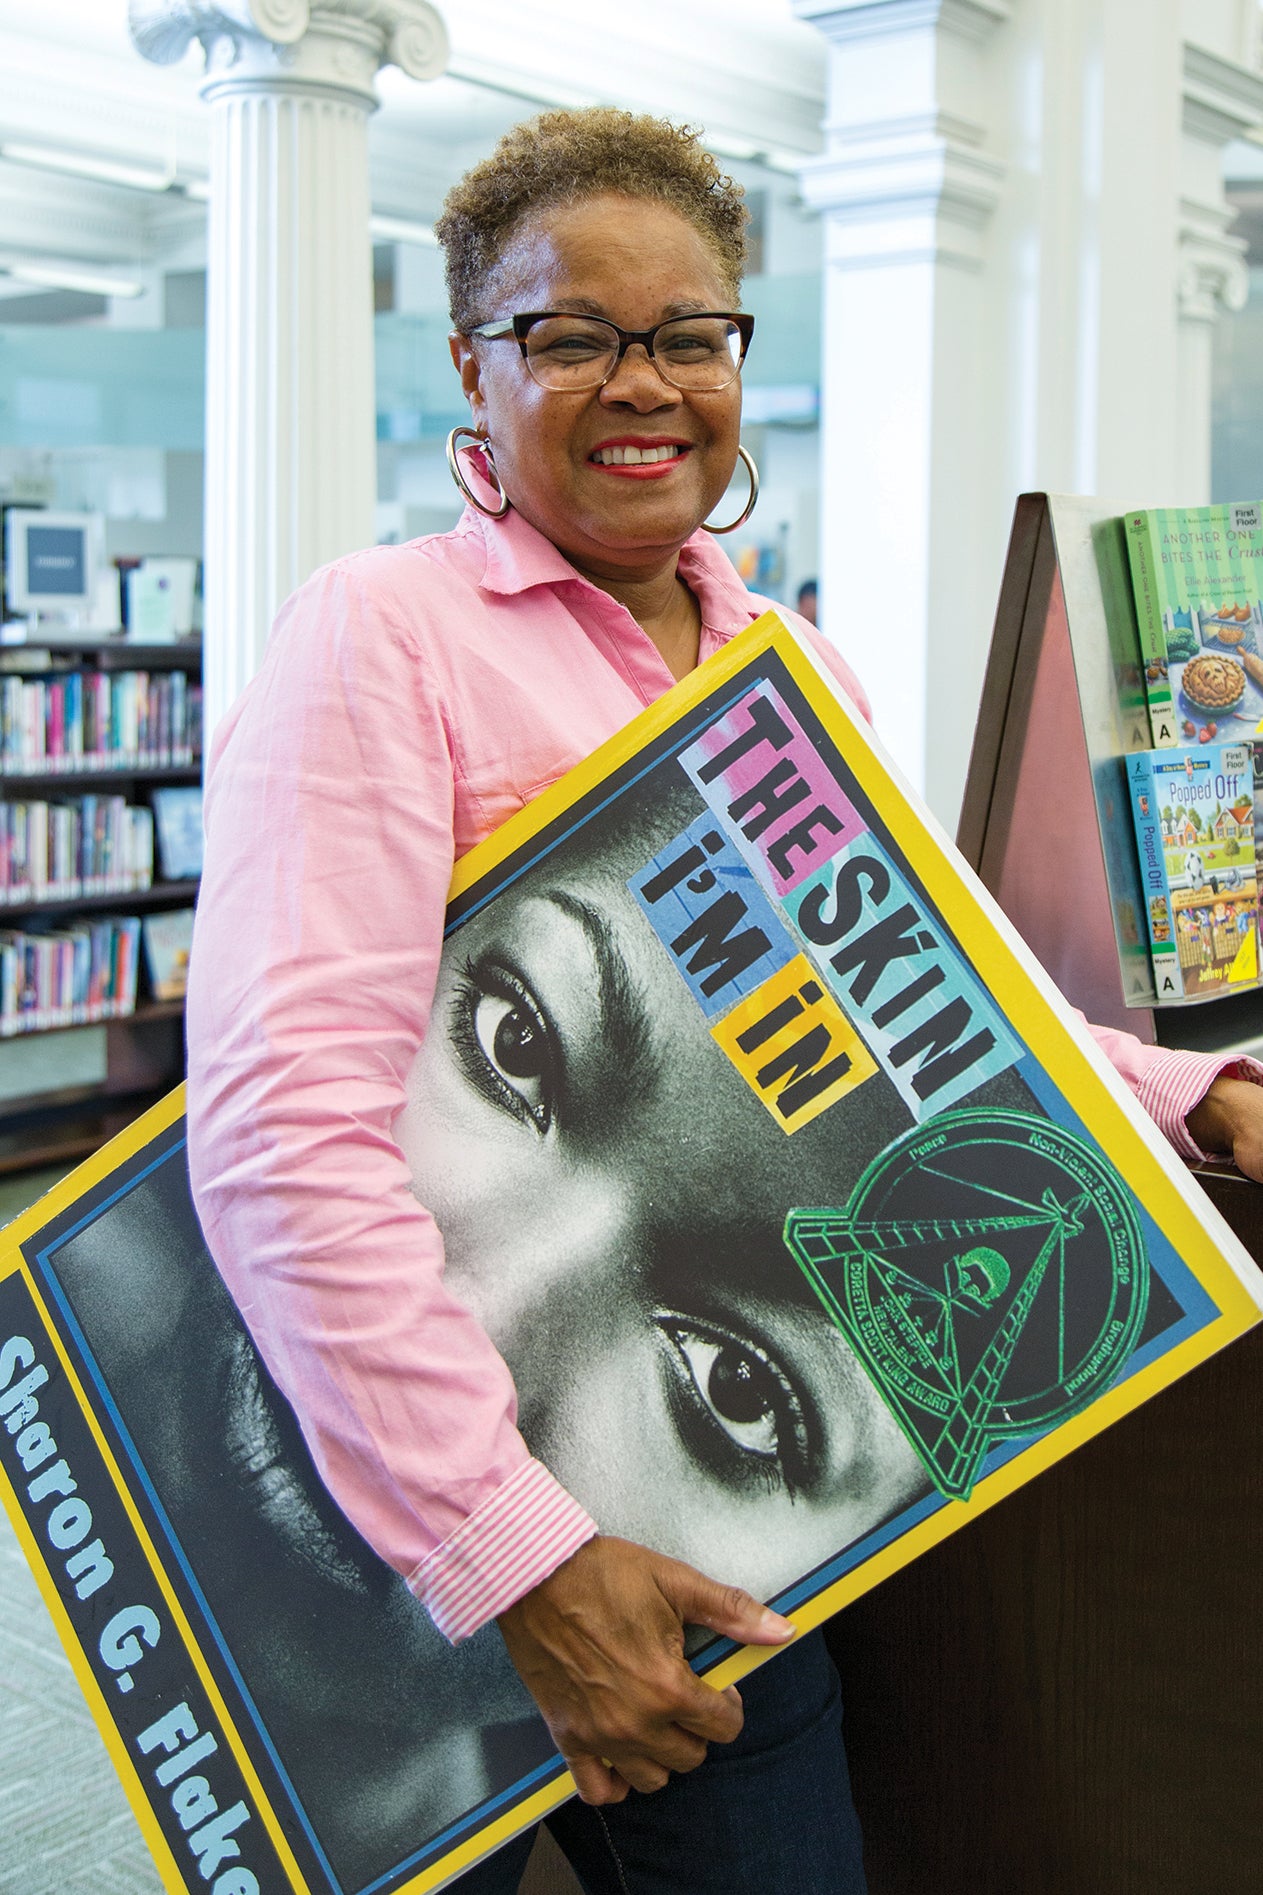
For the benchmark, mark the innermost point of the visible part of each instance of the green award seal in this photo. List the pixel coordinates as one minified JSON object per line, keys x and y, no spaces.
{"x":990,"y":1274}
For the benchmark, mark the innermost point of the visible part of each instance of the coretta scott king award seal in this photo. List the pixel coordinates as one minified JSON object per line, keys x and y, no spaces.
{"x":990,"y":1272}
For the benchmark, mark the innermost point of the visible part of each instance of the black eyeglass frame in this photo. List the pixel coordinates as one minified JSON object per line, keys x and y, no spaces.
{"x":517,"y":328}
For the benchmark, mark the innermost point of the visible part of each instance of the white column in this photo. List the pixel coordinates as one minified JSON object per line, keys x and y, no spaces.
{"x":290,"y":410}
{"x":907,"y":186}
{"x":1222,"y":101}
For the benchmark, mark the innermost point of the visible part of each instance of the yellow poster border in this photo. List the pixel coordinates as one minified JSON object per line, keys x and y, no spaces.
{"x":1022,"y":991}
{"x":160,"y":1118}
{"x":70,"y":1190}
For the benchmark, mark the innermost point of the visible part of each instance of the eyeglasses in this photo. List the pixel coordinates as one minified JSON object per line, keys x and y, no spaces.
{"x":575,"y":353}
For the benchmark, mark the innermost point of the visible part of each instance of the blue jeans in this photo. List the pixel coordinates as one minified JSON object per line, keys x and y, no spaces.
{"x":769,"y":1814}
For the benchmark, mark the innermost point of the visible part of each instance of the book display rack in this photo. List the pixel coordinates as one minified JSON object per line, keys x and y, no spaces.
{"x":1067,"y":1697}
{"x":90,"y":731}
{"x":1047,"y":817}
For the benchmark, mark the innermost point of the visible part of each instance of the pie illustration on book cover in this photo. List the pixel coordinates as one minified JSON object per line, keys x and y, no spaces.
{"x":1197,"y":575}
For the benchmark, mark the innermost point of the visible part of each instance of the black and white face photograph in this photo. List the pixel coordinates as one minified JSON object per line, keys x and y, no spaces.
{"x":640,"y":1290}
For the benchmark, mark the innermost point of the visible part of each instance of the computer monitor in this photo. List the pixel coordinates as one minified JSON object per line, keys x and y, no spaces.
{"x":52,"y":561}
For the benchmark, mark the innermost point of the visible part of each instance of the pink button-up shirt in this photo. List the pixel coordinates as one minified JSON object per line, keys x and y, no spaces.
{"x":411,"y":699}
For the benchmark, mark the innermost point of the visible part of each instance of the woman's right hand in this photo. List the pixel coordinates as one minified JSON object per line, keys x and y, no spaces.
{"x":600,"y":1646}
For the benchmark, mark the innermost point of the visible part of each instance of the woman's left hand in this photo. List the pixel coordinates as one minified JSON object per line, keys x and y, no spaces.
{"x":1230,"y":1119}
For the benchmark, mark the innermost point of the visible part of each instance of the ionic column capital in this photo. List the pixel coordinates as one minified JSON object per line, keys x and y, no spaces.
{"x":325,"y":46}
{"x":1213,"y":278}
{"x":1222,"y":101}
{"x":841,"y":20}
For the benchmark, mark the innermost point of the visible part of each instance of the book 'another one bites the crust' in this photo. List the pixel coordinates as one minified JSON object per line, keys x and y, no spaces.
{"x":1197,"y":575}
{"x":1193,"y":811}
{"x":808,"y":1240}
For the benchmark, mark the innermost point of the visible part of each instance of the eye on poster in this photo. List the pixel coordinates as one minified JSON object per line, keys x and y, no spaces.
{"x":853,"y":1236}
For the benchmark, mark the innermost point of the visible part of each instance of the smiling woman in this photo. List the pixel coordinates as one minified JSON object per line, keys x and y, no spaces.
{"x":609,"y":250}
{"x":446,"y":1198}
{"x":610,"y":442}
{"x":354,"y":1194}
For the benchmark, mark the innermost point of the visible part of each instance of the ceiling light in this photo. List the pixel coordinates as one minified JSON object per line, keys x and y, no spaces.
{"x":68,"y":276}
{"x":402,"y":230}
{"x":81,"y":165}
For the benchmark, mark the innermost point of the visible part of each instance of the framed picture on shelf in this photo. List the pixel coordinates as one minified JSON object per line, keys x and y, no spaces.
{"x":178,"y":820}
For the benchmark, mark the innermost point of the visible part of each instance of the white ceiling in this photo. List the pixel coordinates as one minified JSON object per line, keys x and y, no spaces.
{"x":746,"y":70}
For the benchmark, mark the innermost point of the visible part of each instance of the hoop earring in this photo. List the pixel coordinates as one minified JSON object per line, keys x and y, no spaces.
{"x":492,"y":513}
{"x":748,"y":462}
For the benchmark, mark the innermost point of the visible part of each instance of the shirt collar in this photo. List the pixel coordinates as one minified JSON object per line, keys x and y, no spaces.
{"x":727,"y":607}
{"x":517,"y":556}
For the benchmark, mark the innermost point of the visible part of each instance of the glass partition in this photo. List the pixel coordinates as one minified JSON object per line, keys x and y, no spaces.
{"x":77,"y":386}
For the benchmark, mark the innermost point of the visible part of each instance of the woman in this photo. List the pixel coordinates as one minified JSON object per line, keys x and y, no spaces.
{"x":411,"y":699}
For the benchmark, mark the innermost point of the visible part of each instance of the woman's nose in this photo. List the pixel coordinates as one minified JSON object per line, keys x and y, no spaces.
{"x":637,"y":382}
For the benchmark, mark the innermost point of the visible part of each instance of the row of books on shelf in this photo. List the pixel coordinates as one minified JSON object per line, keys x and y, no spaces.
{"x":89,"y":970}
{"x":97,"y":843}
{"x":99,"y":720}
{"x":85,"y":845}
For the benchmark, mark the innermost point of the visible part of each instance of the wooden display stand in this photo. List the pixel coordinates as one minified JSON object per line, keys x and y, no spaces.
{"x":1067,"y":1699}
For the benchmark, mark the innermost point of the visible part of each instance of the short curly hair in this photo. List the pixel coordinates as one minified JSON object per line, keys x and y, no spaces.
{"x":562,"y":157}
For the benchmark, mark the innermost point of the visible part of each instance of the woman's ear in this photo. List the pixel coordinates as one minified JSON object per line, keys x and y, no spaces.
{"x":469,"y":369}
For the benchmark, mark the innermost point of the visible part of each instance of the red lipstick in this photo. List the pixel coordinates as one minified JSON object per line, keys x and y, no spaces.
{"x":639,"y":458}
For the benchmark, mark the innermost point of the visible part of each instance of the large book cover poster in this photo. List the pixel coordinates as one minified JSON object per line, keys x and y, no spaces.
{"x":807,"y":1222}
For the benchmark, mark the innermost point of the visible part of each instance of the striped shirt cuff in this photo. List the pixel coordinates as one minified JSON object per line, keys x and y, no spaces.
{"x":515,"y":1539}
{"x":1177,"y":1081}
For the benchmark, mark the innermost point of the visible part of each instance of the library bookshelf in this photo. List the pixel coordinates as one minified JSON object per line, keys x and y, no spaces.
{"x":89,"y":729}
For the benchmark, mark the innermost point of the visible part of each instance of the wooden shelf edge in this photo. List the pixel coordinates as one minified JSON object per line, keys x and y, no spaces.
{"x":68,"y":781}
{"x":142,"y":655}
{"x":34,"y":1157}
{"x":75,"y":1122}
{"x":121,"y":901}
{"x":141,"y":1014}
